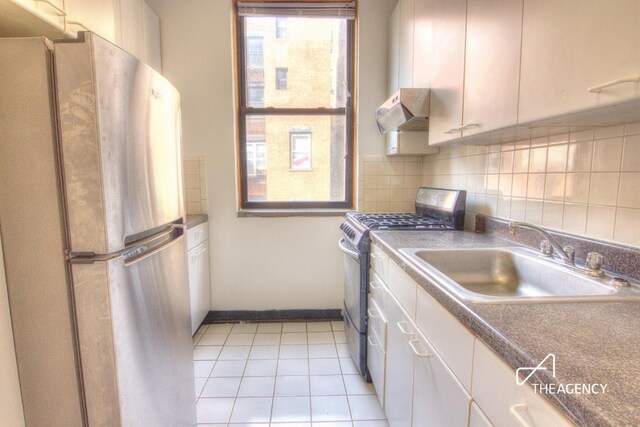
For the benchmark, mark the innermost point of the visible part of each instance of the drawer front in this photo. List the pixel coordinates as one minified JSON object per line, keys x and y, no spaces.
{"x":378,"y":289}
{"x":439,"y":400}
{"x":451,"y":339}
{"x":380,"y":262}
{"x":197,"y":235}
{"x":376,"y":361}
{"x":403,"y":288}
{"x":505,"y":402}
{"x":377,"y":322}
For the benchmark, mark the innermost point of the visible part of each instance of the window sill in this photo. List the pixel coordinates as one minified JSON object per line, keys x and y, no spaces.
{"x":248,"y":213}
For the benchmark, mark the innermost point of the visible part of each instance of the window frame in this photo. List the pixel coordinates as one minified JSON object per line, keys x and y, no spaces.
{"x":293,"y":135}
{"x":282,"y":78}
{"x":244,"y":110}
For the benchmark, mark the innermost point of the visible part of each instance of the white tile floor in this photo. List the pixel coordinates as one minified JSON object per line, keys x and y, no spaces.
{"x":296,"y":374}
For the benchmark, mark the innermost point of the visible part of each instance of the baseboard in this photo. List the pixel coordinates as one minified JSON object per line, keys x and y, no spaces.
{"x":272,"y":315}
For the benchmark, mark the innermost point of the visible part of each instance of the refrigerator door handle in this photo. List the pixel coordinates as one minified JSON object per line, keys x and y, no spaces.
{"x":152,"y":245}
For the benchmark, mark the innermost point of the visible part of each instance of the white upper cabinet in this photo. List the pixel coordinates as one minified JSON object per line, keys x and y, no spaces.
{"x":394,"y":51}
{"x":98,"y":16}
{"x":447,"y":73}
{"x":570,"y":46}
{"x":492,"y":65}
{"x":401,"y":46}
{"x":422,"y":43}
{"x":131,"y":33}
{"x":49,"y":12}
{"x":151,"y":38}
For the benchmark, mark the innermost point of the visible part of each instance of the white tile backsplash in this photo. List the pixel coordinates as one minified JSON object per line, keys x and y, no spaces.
{"x":388,"y":184}
{"x":581,"y":182}
{"x":195,"y":184}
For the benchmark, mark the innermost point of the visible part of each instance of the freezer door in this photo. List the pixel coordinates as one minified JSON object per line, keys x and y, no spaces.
{"x":120,"y":144}
{"x":134,"y":332}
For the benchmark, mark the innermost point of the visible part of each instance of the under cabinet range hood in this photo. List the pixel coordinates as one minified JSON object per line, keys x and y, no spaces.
{"x":406,"y":110}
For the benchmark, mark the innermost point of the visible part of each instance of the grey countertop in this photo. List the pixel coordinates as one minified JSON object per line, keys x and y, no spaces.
{"x":592,"y":342}
{"x":193,"y":220}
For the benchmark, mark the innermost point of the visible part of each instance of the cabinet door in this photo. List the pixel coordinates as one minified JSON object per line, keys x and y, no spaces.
{"x":477,"y":418}
{"x":394,"y":50}
{"x":97,"y":16}
{"x":50,"y":11}
{"x":447,"y":55}
{"x":439,"y":400}
{"x":422,"y":43}
{"x":405,"y":68}
{"x":492,"y":65}
{"x":451,"y":339}
{"x":376,"y":347}
{"x":399,"y":371}
{"x":502,"y":400}
{"x":199,"y":287}
{"x":130,"y":30}
{"x":151,"y":38}
{"x":569,"y":46}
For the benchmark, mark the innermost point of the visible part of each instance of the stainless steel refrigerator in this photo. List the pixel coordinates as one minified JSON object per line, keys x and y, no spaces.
{"x":91,"y":220}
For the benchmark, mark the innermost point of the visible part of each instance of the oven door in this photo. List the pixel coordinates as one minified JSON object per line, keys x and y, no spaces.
{"x":353,"y":289}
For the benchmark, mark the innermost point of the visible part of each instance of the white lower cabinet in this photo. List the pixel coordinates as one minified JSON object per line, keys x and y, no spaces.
{"x":477,"y":418}
{"x":199,"y":287}
{"x":439,"y":400}
{"x":505,"y":402}
{"x":434,"y":372}
{"x":376,"y":348}
{"x":399,"y":373}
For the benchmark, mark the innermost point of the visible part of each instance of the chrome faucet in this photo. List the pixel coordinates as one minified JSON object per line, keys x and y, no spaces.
{"x":566,"y":254}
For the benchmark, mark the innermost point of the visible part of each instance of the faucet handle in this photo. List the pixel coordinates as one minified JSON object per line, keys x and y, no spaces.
{"x":594,"y":260}
{"x":593,"y":264}
{"x":545,"y":248}
{"x":571,"y":253}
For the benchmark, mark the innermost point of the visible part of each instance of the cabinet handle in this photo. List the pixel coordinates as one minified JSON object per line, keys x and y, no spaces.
{"x":515,"y":411}
{"x":412,"y":344}
{"x":461,"y":128}
{"x":47,"y":2}
{"x":371,"y":313}
{"x":598,"y":88}
{"x":369,"y":339}
{"x":404,"y":330}
{"x":78,"y":23}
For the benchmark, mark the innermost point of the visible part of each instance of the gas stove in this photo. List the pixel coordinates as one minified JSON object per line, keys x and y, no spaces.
{"x":399,"y":221}
{"x":436,"y":209}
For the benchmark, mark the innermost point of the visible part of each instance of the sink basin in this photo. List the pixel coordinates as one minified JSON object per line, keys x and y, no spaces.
{"x":492,"y":275}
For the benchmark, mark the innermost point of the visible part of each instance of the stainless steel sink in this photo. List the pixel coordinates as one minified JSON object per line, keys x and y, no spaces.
{"x":511,"y":275}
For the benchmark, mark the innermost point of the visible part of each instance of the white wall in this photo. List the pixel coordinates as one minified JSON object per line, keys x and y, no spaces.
{"x":259,"y":263}
{"x":10,"y":403}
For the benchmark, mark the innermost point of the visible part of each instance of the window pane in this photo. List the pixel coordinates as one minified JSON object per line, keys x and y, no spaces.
{"x":302,"y":158}
{"x":313,"y":53}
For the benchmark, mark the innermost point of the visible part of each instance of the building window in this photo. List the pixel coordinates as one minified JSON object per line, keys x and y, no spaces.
{"x":300,"y":151}
{"x":281,"y":28}
{"x":281,"y":78}
{"x":315,"y":43}
{"x":255,"y":52}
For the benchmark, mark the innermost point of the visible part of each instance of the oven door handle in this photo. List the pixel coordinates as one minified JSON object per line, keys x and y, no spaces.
{"x":344,"y":247}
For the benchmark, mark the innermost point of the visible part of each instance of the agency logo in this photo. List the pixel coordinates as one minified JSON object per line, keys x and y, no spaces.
{"x":524,"y":374}
{"x":533,"y":370}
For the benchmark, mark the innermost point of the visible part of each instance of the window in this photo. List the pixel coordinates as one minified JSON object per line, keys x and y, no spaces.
{"x":300,"y":151}
{"x":281,"y":28}
{"x":255,"y":52}
{"x":302,"y":127}
{"x":281,"y":78}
